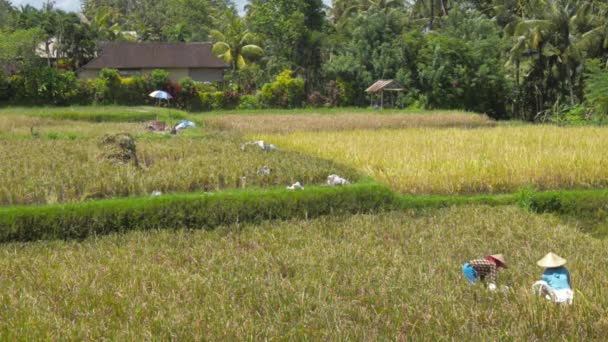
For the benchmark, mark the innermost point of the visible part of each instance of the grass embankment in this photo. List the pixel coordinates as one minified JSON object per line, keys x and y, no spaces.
{"x":460,"y":161}
{"x":22,"y":127}
{"x":327,"y":111}
{"x":193,"y":211}
{"x":365,"y":277}
{"x":587,"y":210}
{"x":97,"y":113}
{"x":54,"y":168}
{"x":342,"y":121}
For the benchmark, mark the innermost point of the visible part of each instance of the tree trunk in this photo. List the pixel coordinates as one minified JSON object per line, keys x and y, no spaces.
{"x":518,"y":89}
{"x":432,"y":14}
{"x":48,"y":52}
{"x":570,"y":88}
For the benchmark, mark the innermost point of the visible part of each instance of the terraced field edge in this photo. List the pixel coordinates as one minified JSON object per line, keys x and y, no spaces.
{"x":190,"y":211}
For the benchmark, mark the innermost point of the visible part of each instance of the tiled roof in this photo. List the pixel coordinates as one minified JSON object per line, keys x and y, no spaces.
{"x":156,"y":55}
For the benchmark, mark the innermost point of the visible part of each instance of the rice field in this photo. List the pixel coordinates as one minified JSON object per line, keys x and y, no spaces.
{"x":95,"y":113}
{"x":289,"y":123}
{"x":388,"y":276}
{"x":47,"y":161}
{"x":393,"y":276}
{"x":463,"y":161}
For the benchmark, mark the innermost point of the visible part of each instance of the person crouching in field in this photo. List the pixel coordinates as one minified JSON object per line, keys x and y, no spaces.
{"x":484,"y":269}
{"x":555,"y":283}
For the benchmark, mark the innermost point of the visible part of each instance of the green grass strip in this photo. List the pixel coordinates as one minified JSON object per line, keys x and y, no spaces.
{"x":582,"y":204}
{"x":192,"y":211}
{"x":440,"y":201}
{"x":209,"y":210}
{"x":98,"y":113}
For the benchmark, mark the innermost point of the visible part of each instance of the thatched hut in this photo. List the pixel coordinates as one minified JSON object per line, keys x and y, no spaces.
{"x":377,"y":90}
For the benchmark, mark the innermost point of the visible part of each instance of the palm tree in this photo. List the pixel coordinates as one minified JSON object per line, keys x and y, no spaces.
{"x":342,"y":9}
{"x":553,"y":47}
{"x":236,"y":46}
{"x":430,"y":9}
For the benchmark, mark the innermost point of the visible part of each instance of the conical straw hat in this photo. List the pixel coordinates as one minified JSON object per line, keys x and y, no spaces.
{"x":551,"y":260}
{"x":500,"y":258}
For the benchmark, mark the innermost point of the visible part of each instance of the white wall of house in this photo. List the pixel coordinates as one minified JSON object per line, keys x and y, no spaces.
{"x":207,"y":75}
{"x":88,"y":74}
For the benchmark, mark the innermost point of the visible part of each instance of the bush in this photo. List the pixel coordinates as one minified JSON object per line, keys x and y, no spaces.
{"x":107,"y":86}
{"x":159,"y":79}
{"x":230,"y":99}
{"x":85,"y":93}
{"x":194,"y":211}
{"x":48,"y":86}
{"x":4,"y":87}
{"x":596,"y":87}
{"x":284,"y":92}
{"x":188,"y":97}
{"x":206,"y":100}
{"x":316,"y":100}
{"x":250,"y":102}
{"x":219,"y":100}
{"x":38,"y":86}
{"x":132,"y":91}
{"x":335,"y":91}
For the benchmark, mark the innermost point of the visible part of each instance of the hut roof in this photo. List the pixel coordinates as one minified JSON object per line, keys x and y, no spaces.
{"x":390,"y":85}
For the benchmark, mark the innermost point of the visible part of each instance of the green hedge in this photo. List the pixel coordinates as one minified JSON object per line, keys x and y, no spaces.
{"x":438,"y":201}
{"x":207,"y":211}
{"x":193,"y":211}
{"x":588,"y":207}
{"x":115,"y":117}
{"x":581,"y":203}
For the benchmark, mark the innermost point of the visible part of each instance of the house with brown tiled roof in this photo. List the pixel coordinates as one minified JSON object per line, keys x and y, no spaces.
{"x":181,"y":60}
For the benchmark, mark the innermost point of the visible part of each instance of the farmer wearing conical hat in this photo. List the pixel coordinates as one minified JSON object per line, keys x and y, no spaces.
{"x":484,"y":269}
{"x":555,"y":282}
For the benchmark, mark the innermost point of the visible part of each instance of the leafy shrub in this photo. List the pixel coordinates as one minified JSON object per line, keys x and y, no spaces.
{"x":159,"y":78}
{"x":132,"y":91}
{"x":596,"y":87}
{"x":250,"y":102}
{"x":44,"y":86}
{"x":188,"y":97}
{"x":85,"y":93}
{"x":284,"y":92}
{"x":576,"y":115}
{"x":219,"y":100}
{"x":4,"y":87}
{"x":335,"y":93}
{"x":230,"y":99}
{"x":206,"y":100}
{"x":317,"y":100}
{"x":107,"y":86}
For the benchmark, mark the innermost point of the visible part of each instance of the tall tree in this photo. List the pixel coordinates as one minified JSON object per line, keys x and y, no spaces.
{"x":176,"y":20}
{"x":7,"y":14}
{"x":294,"y":32}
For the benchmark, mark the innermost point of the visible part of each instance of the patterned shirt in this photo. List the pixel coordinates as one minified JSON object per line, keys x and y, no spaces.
{"x":485,"y":269}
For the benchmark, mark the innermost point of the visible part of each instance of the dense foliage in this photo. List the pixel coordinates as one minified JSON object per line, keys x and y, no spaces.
{"x":535,"y":60}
